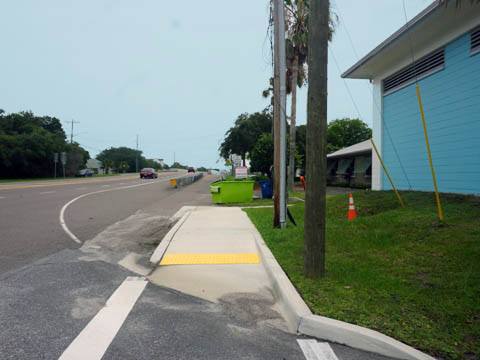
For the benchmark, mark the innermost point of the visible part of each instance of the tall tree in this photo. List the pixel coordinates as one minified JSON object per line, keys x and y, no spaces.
{"x":27,"y":144}
{"x":301,"y":142}
{"x":297,"y":51}
{"x":107,"y":164}
{"x":262,"y":155}
{"x":242,"y":137}
{"x":76,"y":158}
{"x":123,"y":167}
{"x":346,"y":132}
{"x":122,"y":154}
{"x":315,"y":200}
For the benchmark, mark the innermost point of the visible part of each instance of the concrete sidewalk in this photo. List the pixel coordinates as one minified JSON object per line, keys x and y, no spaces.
{"x":221,"y":234}
{"x":216,"y":253}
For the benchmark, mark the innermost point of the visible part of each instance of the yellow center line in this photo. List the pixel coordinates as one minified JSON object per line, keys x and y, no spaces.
{"x":61,"y":183}
{"x":209,"y":259}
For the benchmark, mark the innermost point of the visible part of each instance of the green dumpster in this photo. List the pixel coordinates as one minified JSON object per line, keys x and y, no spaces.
{"x":232,"y":191}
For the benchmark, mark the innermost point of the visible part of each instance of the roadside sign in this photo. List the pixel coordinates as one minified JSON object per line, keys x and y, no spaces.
{"x":236,"y":160}
{"x":63,"y":158}
{"x":228,"y":162}
{"x":240,"y":172}
{"x":55,"y":157}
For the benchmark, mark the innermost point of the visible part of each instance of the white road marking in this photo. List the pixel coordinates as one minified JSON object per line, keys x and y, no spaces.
{"x":96,"y":337}
{"x":314,"y":350}
{"x":47,"y":192}
{"x":106,"y":185}
{"x":81,"y":188}
{"x":62,"y":211}
{"x":1,"y":197}
{"x":327,"y":351}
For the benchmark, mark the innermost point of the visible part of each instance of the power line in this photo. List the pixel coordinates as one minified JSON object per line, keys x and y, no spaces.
{"x":373,"y":97}
{"x":71,"y":134}
{"x":409,"y":40}
{"x":345,"y":82}
{"x":91,"y":148}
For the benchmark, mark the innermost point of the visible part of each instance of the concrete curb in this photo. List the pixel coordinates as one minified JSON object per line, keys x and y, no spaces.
{"x":306,"y":323}
{"x":167,"y":239}
{"x":295,"y":307}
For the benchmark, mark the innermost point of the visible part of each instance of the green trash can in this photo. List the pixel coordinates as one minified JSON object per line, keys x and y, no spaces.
{"x":224,"y":192}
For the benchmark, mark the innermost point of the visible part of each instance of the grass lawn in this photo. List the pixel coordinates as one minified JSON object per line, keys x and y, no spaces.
{"x":297,"y":194}
{"x":396,"y":270}
{"x":257,"y":202}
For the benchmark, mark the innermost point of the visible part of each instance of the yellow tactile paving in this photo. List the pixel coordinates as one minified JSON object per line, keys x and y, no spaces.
{"x":209,"y":259}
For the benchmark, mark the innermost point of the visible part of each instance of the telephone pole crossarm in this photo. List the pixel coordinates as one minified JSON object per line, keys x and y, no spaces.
{"x":71,"y":134}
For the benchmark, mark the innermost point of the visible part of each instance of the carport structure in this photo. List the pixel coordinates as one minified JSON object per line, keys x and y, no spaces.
{"x":351,"y":166}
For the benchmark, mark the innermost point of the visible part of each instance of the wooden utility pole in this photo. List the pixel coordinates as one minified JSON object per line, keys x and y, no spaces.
{"x":71,"y":134}
{"x":316,"y":151}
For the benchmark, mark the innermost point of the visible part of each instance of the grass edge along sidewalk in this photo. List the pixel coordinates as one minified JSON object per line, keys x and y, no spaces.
{"x":395,"y":270}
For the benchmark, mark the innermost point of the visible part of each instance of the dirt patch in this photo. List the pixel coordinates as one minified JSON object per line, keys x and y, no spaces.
{"x":87,"y":307}
{"x":135,"y":237}
{"x":249,"y":308}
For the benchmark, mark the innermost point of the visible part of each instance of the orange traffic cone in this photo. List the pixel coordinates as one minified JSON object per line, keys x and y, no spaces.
{"x":351,"y":209}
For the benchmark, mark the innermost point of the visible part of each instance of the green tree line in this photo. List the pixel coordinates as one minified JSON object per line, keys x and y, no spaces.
{"x":124,"y":159}
{"x":27,"y":145}
{"x":251,"y":137}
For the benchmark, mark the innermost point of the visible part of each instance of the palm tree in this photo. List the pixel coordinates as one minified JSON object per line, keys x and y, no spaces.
{"x":297,"y":51}
{"x":107,"y":165}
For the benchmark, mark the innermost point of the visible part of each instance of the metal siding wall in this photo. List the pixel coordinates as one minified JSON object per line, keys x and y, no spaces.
{"x":451,"y":101}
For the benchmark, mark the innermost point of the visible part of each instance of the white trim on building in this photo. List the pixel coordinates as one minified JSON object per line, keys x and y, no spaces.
{"x":377,"y":172}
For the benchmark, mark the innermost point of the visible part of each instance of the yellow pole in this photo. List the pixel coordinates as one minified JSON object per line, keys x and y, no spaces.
{"x":388,"y":175}
{"x":440,"y":214}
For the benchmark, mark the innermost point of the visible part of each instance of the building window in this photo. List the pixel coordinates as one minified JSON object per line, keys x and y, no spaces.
{"x":416,"y":71}
{"x":475,"y":41}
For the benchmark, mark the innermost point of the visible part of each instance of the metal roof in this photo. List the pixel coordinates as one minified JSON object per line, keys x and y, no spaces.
{"x":363,"y":147}
{"x":394,"y":37}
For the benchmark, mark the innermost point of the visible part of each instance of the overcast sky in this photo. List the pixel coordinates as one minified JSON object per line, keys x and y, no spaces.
{"x":176,"y":73}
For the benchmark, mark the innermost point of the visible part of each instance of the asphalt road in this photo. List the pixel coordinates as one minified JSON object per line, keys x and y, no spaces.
{"x":52,"y":289}
{"x":29,"y":211}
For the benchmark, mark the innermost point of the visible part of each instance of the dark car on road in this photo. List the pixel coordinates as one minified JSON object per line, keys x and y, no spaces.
{"x":191,"y":169}
{"x":148,"y":173}
{"x":84,"y":173}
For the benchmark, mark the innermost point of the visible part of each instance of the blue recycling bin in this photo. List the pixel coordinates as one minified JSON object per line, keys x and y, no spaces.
{"x":266,"y":186}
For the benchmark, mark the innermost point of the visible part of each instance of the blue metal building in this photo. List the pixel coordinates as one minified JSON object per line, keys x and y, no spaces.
{"x":440,"y":50}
